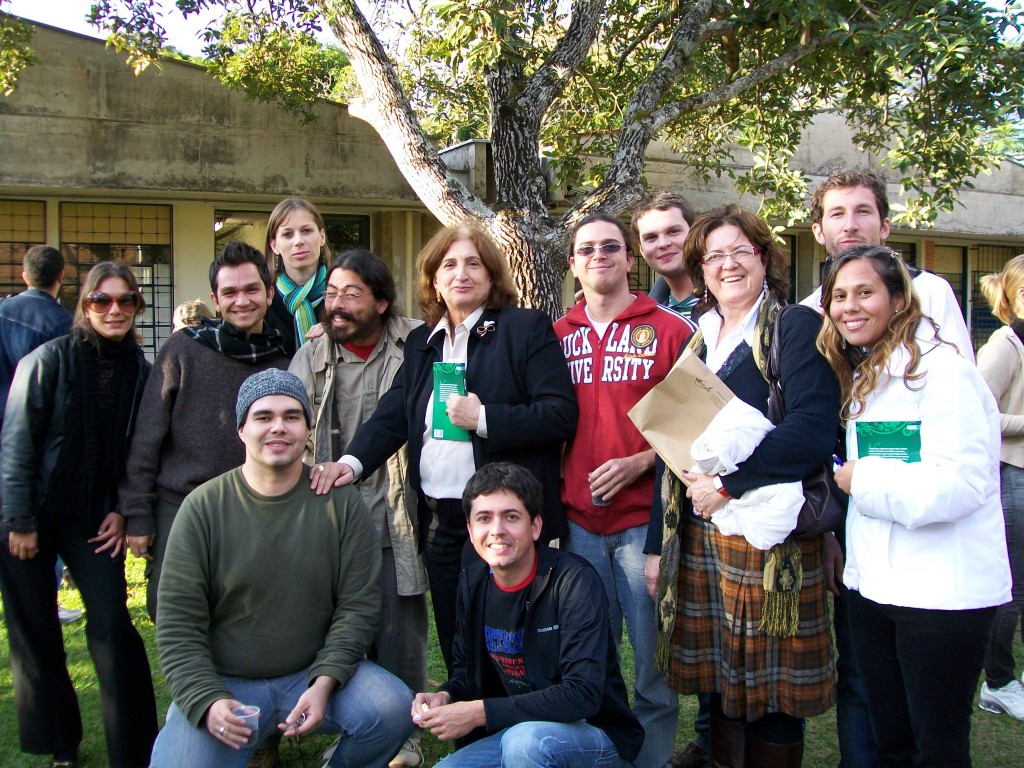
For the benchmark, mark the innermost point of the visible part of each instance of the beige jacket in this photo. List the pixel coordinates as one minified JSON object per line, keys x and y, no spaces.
{"x":314,"y":364}
{"x":1001,"y":362}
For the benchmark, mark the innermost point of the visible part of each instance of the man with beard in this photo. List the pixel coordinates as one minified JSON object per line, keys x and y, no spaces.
{"x":187,"y":432}
{"x":346,"y":372}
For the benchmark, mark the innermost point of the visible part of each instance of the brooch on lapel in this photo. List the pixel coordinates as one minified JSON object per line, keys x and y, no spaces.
{"x":484,"y":328}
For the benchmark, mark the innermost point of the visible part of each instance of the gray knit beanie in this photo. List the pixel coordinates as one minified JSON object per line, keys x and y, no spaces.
{"x":270,"y":382}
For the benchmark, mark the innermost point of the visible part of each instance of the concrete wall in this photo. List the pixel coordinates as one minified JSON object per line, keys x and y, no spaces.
{"x":80,"y":118}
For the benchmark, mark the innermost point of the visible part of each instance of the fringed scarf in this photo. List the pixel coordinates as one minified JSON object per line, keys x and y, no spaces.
{"x":782,"y":573}
{"x":302,"y":300}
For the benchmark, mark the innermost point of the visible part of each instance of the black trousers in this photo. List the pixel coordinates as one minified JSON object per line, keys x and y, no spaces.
{"x":920,"y":668}
{"x":49,"y":721}
{"x":448,"y":551}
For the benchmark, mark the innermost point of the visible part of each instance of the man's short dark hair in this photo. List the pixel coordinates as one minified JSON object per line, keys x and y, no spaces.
{"x":627,"y":236}
{"x":43,"y":265}
{"x":665,"y":200}
{"x":504,"y":476}
{"x":374,"y":272}
{"x":849,"y":179}
{"x":235,"y":254}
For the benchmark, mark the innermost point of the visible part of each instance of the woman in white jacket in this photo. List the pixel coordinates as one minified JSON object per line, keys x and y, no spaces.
{"x":926,"y":553}
{"x":1001,"y":362}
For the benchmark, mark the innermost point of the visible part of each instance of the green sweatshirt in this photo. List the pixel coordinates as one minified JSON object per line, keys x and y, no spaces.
{"x":256,"y":586}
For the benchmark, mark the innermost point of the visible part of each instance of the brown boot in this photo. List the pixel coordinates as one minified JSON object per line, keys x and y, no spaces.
{"x":764,"y":754}
{"x":728,"y":743}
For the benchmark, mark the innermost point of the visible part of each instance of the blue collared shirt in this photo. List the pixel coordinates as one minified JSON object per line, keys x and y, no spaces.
{"x":27,"y":320}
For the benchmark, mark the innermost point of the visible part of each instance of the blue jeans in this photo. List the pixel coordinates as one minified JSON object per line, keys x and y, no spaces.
{"x":371,"y":713}
{"x":619,"y":559}
{"x":999,"y":662}
{"x":853,"y":716}
{"x":539,"y":744}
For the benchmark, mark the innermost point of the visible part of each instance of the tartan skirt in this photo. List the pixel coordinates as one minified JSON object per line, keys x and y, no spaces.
{"x":716,"y":645}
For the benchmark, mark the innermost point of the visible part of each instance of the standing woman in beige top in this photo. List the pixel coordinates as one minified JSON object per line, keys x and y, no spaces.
{"x":1001,"y":362}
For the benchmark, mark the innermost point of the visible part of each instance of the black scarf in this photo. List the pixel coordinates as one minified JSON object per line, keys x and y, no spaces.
{"x":83,"y":485}
{"x":223,"y":337}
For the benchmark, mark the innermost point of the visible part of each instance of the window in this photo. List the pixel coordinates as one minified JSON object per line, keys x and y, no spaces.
{"x":138,"y":235}
{"x":22,"y":225}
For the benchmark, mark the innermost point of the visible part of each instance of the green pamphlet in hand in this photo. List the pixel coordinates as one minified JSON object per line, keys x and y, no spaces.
{"x":900,"y":440}
{"x":448,"y":378}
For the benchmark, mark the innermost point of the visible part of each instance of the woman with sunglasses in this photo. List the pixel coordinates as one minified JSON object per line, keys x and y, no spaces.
{"x":749,"y":627}
{"x":296,"y":238}
{"x":926,"y":559}
{"x":67,"y":426}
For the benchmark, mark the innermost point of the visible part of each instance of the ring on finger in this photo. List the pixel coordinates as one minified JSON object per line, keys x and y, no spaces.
{"x":221,"y":730}
{"x":319,"y":467}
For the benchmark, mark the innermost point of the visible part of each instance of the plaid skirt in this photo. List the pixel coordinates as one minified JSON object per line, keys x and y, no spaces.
{"x":716,"y":645}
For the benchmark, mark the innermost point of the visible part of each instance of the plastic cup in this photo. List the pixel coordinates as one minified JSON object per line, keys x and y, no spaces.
{"x":251,"y":715}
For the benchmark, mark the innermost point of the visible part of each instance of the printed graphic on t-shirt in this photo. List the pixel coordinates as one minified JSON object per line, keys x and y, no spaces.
{"x":503,"y":636}
{"x":626,"y":353}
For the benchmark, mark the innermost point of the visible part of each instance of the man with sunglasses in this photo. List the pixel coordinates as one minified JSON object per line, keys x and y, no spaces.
{"x":618,"y":345}
{"x":345,"y":372}
{"x":187,"y":435}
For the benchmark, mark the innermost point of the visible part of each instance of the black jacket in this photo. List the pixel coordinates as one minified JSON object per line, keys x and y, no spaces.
{"x":570,"y":658}
{"x":33,"y":429}
{"x":517,"y":369}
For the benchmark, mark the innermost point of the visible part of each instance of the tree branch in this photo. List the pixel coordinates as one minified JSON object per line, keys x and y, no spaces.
{"x":385,"y":107}
{"x":548,"y":82}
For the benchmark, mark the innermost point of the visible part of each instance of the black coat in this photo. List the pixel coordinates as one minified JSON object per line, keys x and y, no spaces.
{"x":33,"y":428}
{"x":519,"y":373}
{"x":570,"y":658}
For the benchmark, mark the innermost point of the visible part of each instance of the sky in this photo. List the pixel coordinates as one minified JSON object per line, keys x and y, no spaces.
{"x":70,"y":14}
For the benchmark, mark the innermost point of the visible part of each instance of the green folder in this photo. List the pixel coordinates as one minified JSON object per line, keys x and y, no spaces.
{"x":900,"y":440}
{"x":448,"y":378}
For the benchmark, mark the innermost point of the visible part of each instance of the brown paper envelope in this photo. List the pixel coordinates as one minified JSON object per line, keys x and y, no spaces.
{"x":678,"y":409}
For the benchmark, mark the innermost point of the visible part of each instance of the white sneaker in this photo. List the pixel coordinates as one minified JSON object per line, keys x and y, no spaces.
{"x":409,"y":756}
{"x":68,"y":615}
{"x":1006,"y":700}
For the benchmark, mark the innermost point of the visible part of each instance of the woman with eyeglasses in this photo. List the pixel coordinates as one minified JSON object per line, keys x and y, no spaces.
{"x":69,"y":418}
{"x":926,"y":559}
{"x":517,"y":403}
{"x":748,"y":626}
{"x":297,"y":240}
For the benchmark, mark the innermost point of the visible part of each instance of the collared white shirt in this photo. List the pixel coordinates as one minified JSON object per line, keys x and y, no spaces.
{"x":447,"y":465}
{"x":719,"y":349}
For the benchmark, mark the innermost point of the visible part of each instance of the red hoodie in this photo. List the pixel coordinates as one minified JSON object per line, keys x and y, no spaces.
{"x":610,"y":375}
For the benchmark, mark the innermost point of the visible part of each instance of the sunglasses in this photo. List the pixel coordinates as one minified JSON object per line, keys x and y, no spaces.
{"x":101,"y":302}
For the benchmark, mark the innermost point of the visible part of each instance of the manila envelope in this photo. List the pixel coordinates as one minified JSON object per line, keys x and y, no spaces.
{"x":678,"y":409}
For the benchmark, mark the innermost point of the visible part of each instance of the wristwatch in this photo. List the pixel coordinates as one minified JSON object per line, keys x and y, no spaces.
{"x":717,"y":482}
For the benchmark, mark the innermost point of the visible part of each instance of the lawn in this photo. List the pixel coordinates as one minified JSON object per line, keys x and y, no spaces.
{"x":998,"y":741}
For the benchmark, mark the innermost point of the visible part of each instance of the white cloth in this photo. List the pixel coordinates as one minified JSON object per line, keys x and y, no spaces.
{"x":930,"y":534}
{"x":719,"y":349}
{"x":764,"y":516}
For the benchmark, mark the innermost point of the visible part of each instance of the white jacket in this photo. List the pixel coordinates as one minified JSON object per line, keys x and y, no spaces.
{"x":930,"y":534}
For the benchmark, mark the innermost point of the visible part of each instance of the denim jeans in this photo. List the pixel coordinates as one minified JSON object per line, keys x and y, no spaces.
{"x":371,"y":713}
{"x":921,"y":669}
{"x":539,"y":744}
{"x":999,"y":663}
{"x":853,"y":716}
{"x":619,"y":559}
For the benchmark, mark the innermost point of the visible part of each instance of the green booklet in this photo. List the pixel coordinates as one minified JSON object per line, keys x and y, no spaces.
{"x":448,"y":378}
{"x":900,"y":440}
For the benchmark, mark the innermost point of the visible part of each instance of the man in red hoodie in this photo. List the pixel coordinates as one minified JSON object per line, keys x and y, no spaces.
{"x":618,"y":345}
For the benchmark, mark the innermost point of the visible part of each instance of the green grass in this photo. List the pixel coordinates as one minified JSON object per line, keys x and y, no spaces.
{"x":997,"y":741}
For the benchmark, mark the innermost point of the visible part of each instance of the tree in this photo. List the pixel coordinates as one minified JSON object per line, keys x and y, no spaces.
{"x":574,"y":91}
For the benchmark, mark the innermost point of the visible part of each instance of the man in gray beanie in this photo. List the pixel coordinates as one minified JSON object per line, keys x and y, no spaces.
{"x":269,"y":598}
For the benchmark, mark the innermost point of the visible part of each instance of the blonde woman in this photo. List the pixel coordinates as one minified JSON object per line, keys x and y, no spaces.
{"x":926,"y":554}
{"x":1001,"y":362}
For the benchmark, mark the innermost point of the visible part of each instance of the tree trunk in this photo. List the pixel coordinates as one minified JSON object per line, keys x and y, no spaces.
{"x":535,"y":260}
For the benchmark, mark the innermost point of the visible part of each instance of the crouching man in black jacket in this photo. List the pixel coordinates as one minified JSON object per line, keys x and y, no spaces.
{"x":535,"y":675}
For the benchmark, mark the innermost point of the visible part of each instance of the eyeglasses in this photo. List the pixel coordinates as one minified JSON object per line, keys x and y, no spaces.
{"x":101,"y":302}
{"x":345,"y":298}
{"x":740,"y":256}
{"x":608,"y":249}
